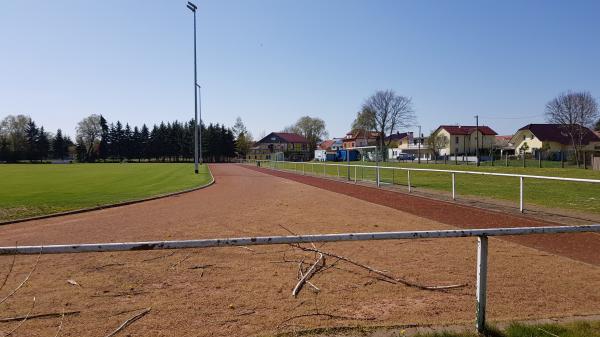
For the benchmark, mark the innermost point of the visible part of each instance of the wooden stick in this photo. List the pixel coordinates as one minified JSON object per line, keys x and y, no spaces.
{"x":381,"y":273}
{"x":129,"y":321}
{"x":308,"y":274}
{"x":62,"y":319}
{"x":301,"y":275}
{"x":22,"y":321}
{"x":48,"y":315}
{"x":9,"y":271}
{"x":548,"y":332}
{"x":174,"y":265}
{"x":159,"y":257}
{"x":24,"y":281}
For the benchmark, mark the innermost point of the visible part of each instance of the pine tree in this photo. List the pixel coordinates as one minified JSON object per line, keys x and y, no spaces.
{"x":31,"y":139}
{"x":58,"y":145}
{"x":43,"y":144}
{"x":104,"y":150}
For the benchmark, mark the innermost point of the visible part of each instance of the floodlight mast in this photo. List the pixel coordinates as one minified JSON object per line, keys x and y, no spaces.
{"x":193,"y":8}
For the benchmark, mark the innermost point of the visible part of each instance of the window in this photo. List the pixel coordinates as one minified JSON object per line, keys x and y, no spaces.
{"x":456,"y":141}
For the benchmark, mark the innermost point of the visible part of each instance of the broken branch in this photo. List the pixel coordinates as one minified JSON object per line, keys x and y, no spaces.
{"x":129,"y":321}
{"x":381,"y":273}
{"x":24,"y":281}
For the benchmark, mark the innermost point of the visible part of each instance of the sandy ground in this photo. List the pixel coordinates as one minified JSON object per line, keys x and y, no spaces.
{"x":243,"y":292}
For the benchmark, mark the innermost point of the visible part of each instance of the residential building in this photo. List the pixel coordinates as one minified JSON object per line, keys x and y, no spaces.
{"x":552,"y":139}
{"x":281,"y":146}
{"x":503,"y":143}
{"x":327,"y":149}
{"x":463,"y":139}
{"x":360,"y":138}
{"x":405,"y":142}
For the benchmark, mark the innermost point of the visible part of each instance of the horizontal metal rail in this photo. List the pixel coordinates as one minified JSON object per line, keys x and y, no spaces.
{"x":481,"y":234}
{"x":378,"y":168}
{"x":272,"y":240}
{"x":582,"y":180}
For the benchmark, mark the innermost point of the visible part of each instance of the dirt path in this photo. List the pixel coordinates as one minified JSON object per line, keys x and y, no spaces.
{"x":584,"y":246}
{"x":240,"y":292}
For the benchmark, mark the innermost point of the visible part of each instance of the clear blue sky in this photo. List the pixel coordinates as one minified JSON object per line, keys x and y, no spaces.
{"x":272,"y":61}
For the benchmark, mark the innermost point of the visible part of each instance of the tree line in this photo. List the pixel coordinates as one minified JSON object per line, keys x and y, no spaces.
{"x":98,"y":140}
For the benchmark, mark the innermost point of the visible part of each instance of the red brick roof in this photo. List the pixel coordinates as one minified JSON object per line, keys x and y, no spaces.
{"x":467,"y":129}
{"x":291,"y":137}
{"x":355,"y":134}
{"x":556,"y":133}
{"x":326,"y":144}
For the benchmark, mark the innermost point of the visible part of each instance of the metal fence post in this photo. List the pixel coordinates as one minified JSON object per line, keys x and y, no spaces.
{"x":303,"y":169}
{"x":521,"y":194}
{"x":408,"y":177}
{"x":453,"y":186}
{"x":377,"y":175}
{"x":355,"y":173}
{"x":482,"y":253}
{"x":338,"y":169}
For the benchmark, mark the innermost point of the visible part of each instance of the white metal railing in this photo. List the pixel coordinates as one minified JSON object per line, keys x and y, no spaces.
{"x":481,"y":234}
{"x":378,"y":168}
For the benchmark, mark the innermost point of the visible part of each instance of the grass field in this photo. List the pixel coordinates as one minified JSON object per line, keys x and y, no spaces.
{"x":576,"y":329}
{"x":556,"y":194}
{"x":29,"y":190}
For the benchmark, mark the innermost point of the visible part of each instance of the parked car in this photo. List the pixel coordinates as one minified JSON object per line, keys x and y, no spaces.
{"x":405,"y":156}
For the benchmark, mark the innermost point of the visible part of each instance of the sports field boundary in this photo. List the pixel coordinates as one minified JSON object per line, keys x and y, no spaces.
{"x":454,"y":214}
{"x":113,"y":205}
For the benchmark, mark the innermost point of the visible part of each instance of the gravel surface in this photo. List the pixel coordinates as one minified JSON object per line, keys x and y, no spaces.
{"x":240,"y":292}
{"x":582,"y":246}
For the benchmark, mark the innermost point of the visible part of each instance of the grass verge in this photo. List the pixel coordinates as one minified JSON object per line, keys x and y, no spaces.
{"x":553,"y":194}
{"x":28,"y":190}
{"x":575,"y":329}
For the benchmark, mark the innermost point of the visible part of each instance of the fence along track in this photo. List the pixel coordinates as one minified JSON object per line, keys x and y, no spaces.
{"x":481,"y":234}
{"x":377,"y":169}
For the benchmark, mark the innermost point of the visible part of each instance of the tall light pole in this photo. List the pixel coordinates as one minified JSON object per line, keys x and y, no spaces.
{"x":477,"y":139}
{"x":200,"y":124}
{"x":193,"y":8}
{"x":419,"y":146}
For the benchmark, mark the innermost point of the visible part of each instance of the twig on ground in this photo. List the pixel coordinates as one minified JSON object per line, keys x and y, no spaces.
{"x":133,"y":293}
{"x":129,"y":321}
{"x":330,"y":316}
{"x":12,"y":264}
{"x":109,"y":265}
{"x":319,"y":263}
{"x":159,"y":257}
{"x":24,"y":281}
{"x":247,"y":248}
{"x":125,"y":312}
{"x":381,"y":273}
{"x":48,"y":315}
{"x":62,"y":319}
{"x":548,"y":332}
{"x":201,"y":266}
{"x":301,"y":275}
{"x":22,"y":321}
{"x":174,"y":265}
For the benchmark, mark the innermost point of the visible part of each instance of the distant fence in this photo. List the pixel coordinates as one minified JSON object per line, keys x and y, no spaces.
{"x":481,"y":234}
{"x":302,"y":167}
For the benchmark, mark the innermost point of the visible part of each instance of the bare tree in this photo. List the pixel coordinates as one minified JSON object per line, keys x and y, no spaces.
{"x":391,"y":112}
{"x":575,"y":112}
{"x":437,"y":142}
{"x":89,"y":131}
{"x":365,"y":121}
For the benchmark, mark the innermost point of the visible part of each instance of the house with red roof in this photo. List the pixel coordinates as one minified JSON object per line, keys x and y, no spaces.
{"x":463,"y":140}
{"x":280,"y":146}
{"x":552,"y":139}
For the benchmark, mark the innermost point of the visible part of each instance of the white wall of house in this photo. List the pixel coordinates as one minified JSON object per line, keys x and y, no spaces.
{"x":320,"y":155}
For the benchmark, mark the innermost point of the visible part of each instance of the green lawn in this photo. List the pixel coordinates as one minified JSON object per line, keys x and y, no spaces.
{"x":30,"y":189}
{"x":576,"y":329}
{"x":555,"y":194}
